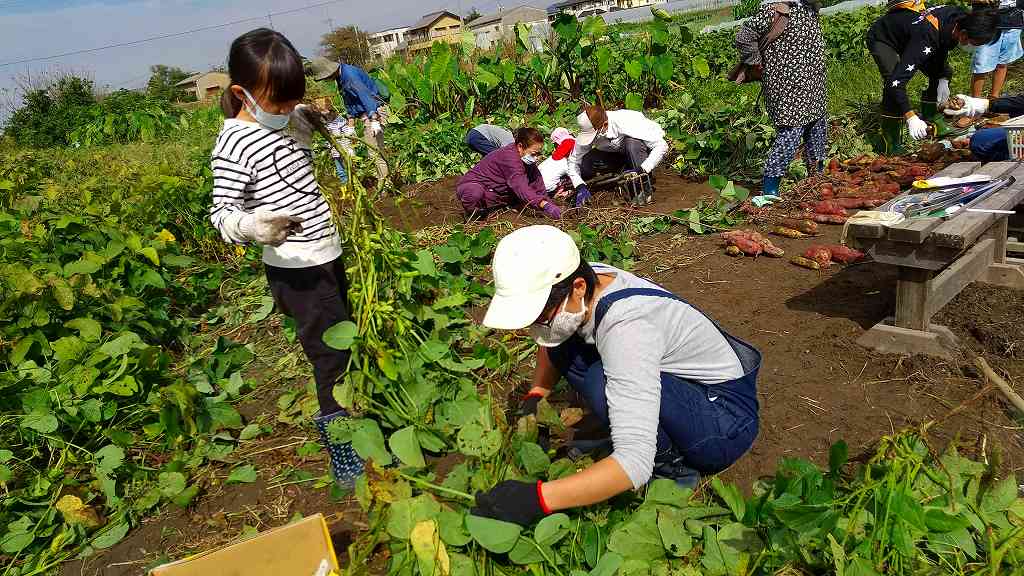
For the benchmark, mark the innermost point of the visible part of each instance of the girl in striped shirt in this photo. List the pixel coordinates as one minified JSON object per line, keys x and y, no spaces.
{"x":265,"y":192}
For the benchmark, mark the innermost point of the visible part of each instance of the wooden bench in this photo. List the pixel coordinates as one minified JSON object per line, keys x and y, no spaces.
{"x":936,"y":258}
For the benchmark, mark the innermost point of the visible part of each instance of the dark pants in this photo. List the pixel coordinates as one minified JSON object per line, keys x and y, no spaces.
{"x":887,"y":58}
{"x":709,"y":426}
{"x":478,"y":143}
{"x":473,"y":198}
{"x":634,"y":153}
{"x":989,"y":145}
{"x":316,"y":298}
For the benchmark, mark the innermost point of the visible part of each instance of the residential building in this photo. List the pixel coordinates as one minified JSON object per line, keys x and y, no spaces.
{"x":491,"y":29}
{"x":385,"y":43}
{"x":587,"y":8}
{"x":440,"y":26}
{"x":206,"y":86}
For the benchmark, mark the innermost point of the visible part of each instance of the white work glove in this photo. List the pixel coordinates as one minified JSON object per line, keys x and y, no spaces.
{"x":266,"y":227}
{"x":971,"y":107}
{"x":918,"y":128}
{"x":943,"y":93}
{"x":375,"y":128}
{"x":301,"y":125}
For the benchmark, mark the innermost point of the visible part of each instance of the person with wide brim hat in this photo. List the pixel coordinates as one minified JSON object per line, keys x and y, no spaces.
{"x":363,"y":97}
{"x":677,"y":392}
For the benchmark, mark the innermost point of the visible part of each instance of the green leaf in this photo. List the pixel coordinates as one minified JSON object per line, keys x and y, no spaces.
{"x":245,"y":474}
{"x":18,"y":537}
{"x":433,"y":350}
{"x":68,"y":348}
{"x":89,"y":263}
{"x":171,"y":483}
{"x":342,"y":335}
{"x":837,"y":456}
{"x":664,"y":66}
{"x":494,"y":535}
{"x":43,"y":422}
{"x":405,"y":444}
{"x":548,"y":416}
{"x":88,"y":329}
{"x":638,"y":538}
{"x":368,"y":441}
{"x":121,"y":345}
{"x":62,"y":293}
{"x":452,"y":526}
{"x":634,"y":101}
{"x":671,"y":526}
{"x":111,"y":535}
{"x":404,"y":514}
{"x":110,"y":457}
{"x":860,"y":567}
{"x":533,"y":458}
{"x":551,"y":529}
{"x":249,"y":432}
{"x":732,"y":497}
{"x":938,"y":520}
{"x":717,"y":559}
{"x":424,"y":264}
{"x":184,"y":498}
{"x":473,"y":440}
{"x":6,"y":456}
{"x":608,"y":565}
{"x":701,"y":67}
{"x":999,"y":497}
{"x":694,"y":221}
{"x":150,"y":253}
{"x":909,"y":511}
{"x":224,"y":415}
{"x":634,"y":69}
{"x":665,"y":491}
{"x":952,"y":543}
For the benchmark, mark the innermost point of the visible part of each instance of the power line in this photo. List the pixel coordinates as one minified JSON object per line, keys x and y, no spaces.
{"x":166,"y":36}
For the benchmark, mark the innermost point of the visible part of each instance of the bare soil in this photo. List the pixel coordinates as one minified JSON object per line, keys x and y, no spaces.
{"x":816,"y":385}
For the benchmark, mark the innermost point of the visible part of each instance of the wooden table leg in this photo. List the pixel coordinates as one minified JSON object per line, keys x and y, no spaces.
{"x":912,"y":297}
{"x":1001,"y":272}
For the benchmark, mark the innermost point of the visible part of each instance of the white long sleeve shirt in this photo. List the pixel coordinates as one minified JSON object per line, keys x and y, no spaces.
{"x":623,"y":123}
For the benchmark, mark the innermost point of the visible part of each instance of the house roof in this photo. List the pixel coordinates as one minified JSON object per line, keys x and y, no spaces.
{"x":565,"y":4}
{"x":196,"y":77}
{"x":494,"y":17}
{"x":433,"y":17}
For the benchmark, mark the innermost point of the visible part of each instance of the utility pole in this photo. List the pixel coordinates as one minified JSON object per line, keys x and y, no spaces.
{"x":270,"y":19}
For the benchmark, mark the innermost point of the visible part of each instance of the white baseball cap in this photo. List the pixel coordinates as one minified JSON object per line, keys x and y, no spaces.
{"x":527,"y":263}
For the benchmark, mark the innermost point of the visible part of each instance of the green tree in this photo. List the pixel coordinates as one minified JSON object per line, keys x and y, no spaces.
{"x":473,"y":15}
{"x":162,"y":82}
{"x":347,"y":44}
{"x":50,"y":112}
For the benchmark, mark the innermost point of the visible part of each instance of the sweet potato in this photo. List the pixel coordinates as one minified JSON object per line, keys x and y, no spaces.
{"x":920,"y":171}
{"x":802,"y":225}
{"x":829,"y":207}
{"x":833,"y":165}
{"x":828,"y":219}
{"x":733,"y":251}
{"x":769,"y":248}
{"x":819,"y":254}
{"x":844,"y":254}
{"x":748,"y":246}
{"x":731,"y":235}
{"x":804,"y":262}
{"x":787,"y":232}
{"x":853,"y":203}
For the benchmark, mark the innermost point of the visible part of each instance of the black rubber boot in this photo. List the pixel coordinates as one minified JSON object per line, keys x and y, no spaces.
{"x":671,"y":465}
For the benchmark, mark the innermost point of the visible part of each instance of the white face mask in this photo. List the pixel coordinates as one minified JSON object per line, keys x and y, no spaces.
{"x":562,"y":326}
{"x":265,"y":119}
{"x":529,"y":159}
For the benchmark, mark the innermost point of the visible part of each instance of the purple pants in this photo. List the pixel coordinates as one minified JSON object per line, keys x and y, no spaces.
{"x":473,"y":197}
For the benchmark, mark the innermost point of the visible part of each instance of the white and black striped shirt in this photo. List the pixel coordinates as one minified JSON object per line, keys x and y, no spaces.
{"x":254,"y":167}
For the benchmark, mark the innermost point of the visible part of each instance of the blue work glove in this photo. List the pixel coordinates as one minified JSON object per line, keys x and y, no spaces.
{"x":552,"y":211}
{"x":582,"y":195}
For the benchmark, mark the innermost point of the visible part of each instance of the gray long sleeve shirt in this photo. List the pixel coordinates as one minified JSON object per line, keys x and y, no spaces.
{"x":639,"y":338}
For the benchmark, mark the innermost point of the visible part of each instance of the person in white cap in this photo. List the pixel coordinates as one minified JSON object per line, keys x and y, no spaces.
{"x":611,"y":141}
{"x":677,"y":392}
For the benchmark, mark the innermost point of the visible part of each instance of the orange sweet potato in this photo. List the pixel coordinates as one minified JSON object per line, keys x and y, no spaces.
{"x":828,"y":219}
{"x":802,"y":224}
{"x":819,"y":254}
{"x":748,"y":246}
{"x":829,"y":207}
{"x":844,"y":254}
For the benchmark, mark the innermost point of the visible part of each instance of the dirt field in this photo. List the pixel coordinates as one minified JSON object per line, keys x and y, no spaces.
{"x":816,"y":385}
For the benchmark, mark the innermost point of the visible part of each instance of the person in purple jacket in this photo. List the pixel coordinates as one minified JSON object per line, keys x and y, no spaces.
{"x":508,"y":177}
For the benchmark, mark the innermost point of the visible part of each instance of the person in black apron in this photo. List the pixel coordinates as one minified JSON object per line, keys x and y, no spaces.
{"x":676,"y":391}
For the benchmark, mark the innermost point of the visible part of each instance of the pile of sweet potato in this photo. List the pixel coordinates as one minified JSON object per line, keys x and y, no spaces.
{"x":750,"y":243}
{"x":821,"y":256}
{"x":861,"y":183}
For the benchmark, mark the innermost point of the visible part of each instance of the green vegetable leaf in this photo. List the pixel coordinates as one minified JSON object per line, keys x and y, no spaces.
{"x":938,"y":520}
{"x":732,"y":497}
{"x":88,"y":329}
{"x":837,"y":456}
{"x":634,"y":101}
{"x":171,"y":483}
{"x":368,"y":441}
{"x":671,"y":526}
{"x":533,"y":458}
{"x":342,"y":335}
{"x":608,"y":565}
{"x":110,"y":457}
{"x":406,"y":446}
{"x":494,"y":535}
{"x":665,"y":491}
{"x":638,"y":538}
{"x":111,"y":535}
{"x":999,"y":496}
{"x":249,"y":432}
{"x":404,"y":514}
{"x":551,"y":529}
{"x":43,"y":422}
{"x":433,"y":350}
{"x":245,"y":474}
{"x":452,"y":526}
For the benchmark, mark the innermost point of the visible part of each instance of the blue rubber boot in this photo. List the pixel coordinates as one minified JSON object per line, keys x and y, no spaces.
{"x":770,"y":186}
{"x":346,"y":465}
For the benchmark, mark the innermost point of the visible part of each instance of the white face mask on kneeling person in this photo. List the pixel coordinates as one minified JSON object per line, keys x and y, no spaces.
{"x":561,"y":327}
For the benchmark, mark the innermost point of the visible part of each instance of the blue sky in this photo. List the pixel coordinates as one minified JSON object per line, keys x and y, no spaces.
{"x":36,"y":28}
